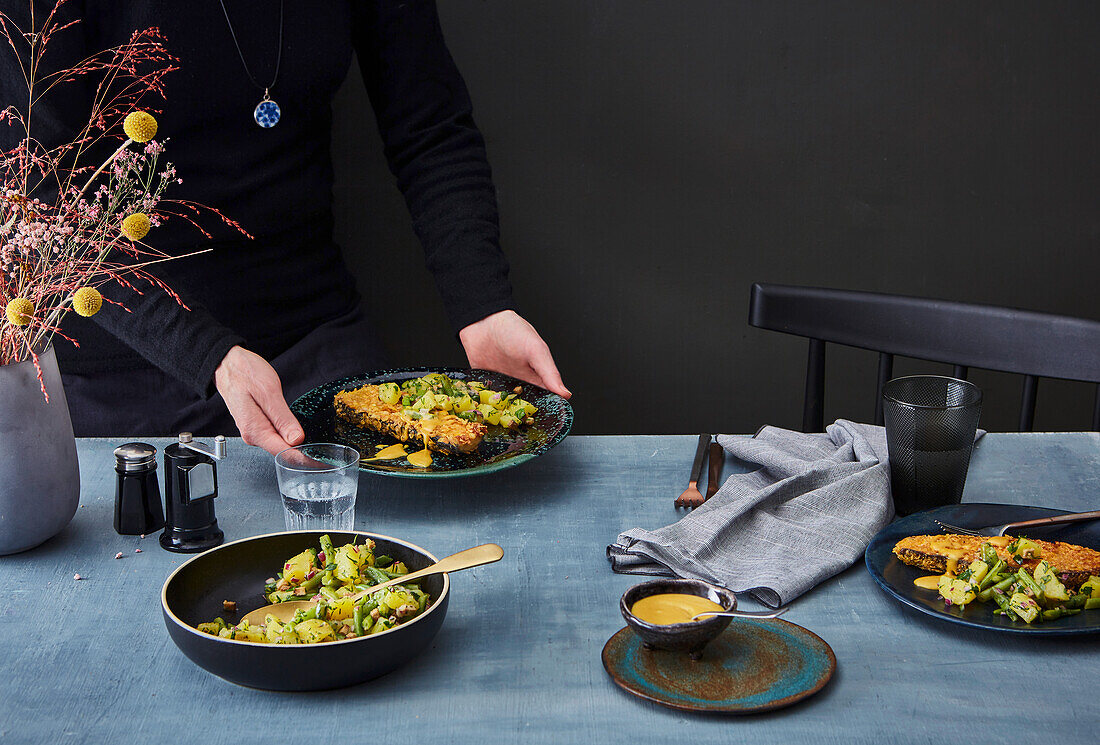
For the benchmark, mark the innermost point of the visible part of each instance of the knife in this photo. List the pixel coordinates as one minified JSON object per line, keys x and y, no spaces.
{"x":714,"y":469}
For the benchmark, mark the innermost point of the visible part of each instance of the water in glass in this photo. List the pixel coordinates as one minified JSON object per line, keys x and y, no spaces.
{"x":313,"y":503}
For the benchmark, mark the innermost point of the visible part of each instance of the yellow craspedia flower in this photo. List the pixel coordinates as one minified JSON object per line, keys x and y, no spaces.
{"x":140,"y":126}
{"x":87,"y":301}
{"x":136,"y":226}
{"x":20,"y":311}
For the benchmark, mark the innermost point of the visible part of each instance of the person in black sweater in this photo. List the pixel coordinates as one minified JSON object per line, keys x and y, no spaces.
{"x":272,"y":317}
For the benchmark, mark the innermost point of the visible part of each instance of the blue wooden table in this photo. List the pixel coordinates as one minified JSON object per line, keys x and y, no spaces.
{"x":518,"y":659}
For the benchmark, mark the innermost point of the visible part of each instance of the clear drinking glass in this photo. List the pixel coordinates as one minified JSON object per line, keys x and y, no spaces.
{"x":318,"y":483}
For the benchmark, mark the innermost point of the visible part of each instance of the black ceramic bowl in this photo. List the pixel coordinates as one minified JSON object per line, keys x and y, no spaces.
{"x":236,"y":571}
{"x":678,"y":637}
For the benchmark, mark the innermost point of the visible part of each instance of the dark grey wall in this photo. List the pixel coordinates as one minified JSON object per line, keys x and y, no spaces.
{"x":653,"y":159}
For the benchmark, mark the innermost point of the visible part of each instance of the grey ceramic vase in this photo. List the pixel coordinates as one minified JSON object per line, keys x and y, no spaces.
{"x":39,"y":473}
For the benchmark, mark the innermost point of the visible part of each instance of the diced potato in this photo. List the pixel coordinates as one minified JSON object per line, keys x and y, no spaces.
{"x":1053,"y":589}
{"x":298,"y":566}
{"x":209,"y":628}
{"x":341,"y":609}
{"x":488,"y":397}
{"x":956,"y":591}
{"x":1024,"y":606}
{"x":382,"y":624}
{"x":314,"y":630}
{"x":507,"y":420}
{"x":1027,"y":549}
{"x":463,"y":403}
{"x":277,"y":633}
{"x":394,"y":598}
{"x":389,"y":393}
{"x":978,"y":570}
{"x":1091,"y":586}
{"x":248,"y":634}
{"x":349,"y":562}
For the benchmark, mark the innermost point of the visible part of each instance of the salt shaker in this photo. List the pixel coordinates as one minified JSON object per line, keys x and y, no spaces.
{"x":138,"y":509}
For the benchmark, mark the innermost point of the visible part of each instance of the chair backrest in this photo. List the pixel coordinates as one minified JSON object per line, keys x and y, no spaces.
{"x":1035,"y":345}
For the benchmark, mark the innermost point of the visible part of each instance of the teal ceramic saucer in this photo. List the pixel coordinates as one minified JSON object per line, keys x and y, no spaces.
{"x":754,"y":666}
{"x":499,"y":449}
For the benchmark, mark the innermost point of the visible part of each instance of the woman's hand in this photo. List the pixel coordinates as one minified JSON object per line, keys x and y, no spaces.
{"x":252,"y":392}
{"x":506,"y":343}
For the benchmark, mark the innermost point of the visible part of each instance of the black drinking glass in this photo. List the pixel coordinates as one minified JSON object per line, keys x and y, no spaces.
{"x":931,"y":421}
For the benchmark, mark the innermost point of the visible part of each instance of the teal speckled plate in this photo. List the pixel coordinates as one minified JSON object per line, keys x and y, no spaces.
{"x":754,"y":666}
{"x":499,"y":449}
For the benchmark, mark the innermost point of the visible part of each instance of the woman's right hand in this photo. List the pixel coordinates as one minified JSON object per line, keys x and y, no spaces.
{"x":254,"y":396}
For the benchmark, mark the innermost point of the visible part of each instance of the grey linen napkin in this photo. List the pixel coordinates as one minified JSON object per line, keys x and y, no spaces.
{"x":806,"y":514}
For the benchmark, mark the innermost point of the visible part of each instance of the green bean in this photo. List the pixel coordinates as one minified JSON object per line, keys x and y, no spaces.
{"x":1031,"y":584}
{"x":328,"y":579}
{"x":1055,"y":613}
{"x":989,"y":554}
{"x":327,"y":549}
{"x":1001,"y":599}
{"x":311,"y":584}
{"x":357,"y":620}
{"x":991,"y":576}
{"x":1003,"y":585}
{"x":377,"y":575}
{"x":1076,"y":601}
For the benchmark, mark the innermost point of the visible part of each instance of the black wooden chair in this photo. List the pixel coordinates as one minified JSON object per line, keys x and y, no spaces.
{"x":1035,"y":345}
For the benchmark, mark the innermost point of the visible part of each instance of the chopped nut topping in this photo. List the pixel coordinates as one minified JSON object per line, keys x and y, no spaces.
{"x":230,"y":606}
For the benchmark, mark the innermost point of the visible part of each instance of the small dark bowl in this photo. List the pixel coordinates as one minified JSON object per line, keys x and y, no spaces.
{"x":688,"y":637}
{"x":236,"y":571}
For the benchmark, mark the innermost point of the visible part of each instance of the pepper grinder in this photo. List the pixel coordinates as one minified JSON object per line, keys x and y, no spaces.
{"x":138,"y":510}
{"x":190,"y":486}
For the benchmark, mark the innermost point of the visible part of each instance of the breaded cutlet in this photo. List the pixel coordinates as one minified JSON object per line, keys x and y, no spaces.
{"x":443,"y":432}
{"x":936,"y":553}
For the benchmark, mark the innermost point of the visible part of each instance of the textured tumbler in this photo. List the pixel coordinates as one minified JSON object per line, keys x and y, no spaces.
{"x":931,"y":422}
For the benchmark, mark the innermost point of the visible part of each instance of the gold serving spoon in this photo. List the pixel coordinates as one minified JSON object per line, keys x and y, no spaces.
{"x":471,"y":557}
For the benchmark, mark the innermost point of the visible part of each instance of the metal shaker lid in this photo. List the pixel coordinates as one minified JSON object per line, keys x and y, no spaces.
{"x":136,"y":456}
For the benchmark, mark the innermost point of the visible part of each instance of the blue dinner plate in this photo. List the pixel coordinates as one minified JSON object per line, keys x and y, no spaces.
{"x":501,"y":448}
{"x":897,"y":578}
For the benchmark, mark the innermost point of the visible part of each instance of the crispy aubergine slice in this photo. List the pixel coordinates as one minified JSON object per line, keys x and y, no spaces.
{"x":934,"y":553}
{"x":443,"y":432}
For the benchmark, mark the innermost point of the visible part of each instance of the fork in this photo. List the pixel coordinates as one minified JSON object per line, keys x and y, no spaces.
{"x":691,"y":497}
{"x":995,"y":530}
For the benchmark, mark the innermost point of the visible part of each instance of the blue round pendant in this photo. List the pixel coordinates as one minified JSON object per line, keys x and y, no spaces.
{"x":267,"y":113}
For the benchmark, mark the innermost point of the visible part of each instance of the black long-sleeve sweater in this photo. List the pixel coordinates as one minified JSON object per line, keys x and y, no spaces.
{"x":268,"y":292}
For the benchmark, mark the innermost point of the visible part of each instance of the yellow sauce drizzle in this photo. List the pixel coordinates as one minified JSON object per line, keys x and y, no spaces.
{"x":672,"y":607}
{"x":931,"y":582}
{"x":421,"y":458}
{"x":390,"y":453}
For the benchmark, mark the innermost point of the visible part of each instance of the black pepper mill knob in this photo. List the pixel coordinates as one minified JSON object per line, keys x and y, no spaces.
{"x":138,"y":510}
{"x":190,"y":486}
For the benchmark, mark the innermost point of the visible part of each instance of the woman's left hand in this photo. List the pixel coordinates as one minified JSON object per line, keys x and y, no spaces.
{"x":506,"y":343}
